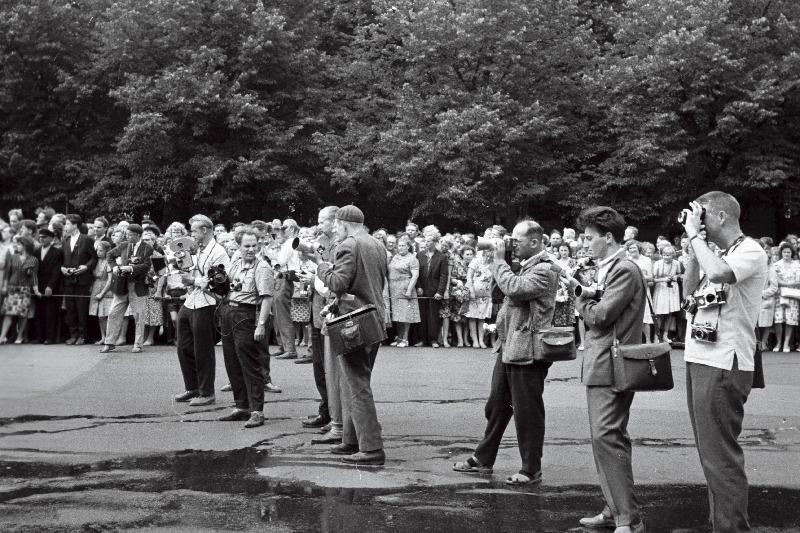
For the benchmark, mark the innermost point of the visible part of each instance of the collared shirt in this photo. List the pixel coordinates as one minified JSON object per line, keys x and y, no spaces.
{"x":738,"y":317}
{"x":605,"y":265}
{"x":45,"y":250}
{"x":288,"y":258}
{"x":73,"y":239}
{"x":257,"y":281}
{"x":212,"y":255}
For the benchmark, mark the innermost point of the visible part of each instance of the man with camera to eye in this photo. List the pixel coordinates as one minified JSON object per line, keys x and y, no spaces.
{"x":244,"y":323}
{"x":615,"y":310}
{"x":518,"y":382}
{"x":195,"y":325}
{"x":723,"y":309}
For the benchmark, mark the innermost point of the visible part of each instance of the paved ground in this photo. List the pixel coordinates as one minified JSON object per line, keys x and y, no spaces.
{"x":94,"y":442}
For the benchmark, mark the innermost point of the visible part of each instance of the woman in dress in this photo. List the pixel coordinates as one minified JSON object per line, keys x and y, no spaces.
{"x":154,"y":313}
{"x":403,"y":274}
{"x":479,"y":307}
{"x":300,"y":306}
{"x":445,"y":309}
{"x":6,"y":251}
{"x":564,"y":314}
{"x":666,"y":296}
{"x":646,"y":265}
{"x":100,"y":302}
{"x":788,"y":309}
{"x":459,"y":293}
{"x":769,"y":300}
{"x":19,"y":287}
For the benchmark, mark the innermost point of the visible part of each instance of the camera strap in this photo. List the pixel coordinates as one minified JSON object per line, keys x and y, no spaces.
{"x":705,"y":282}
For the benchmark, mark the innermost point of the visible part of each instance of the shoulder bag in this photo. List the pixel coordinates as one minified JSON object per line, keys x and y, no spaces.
{"x":641,"y":367}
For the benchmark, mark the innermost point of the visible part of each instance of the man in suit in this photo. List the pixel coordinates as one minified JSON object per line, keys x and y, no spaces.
{"x":518,"y":384}
{"x":50,"y":261}
{"x":130,"y":260}
{"x":432,"y":283}
{"x":619,"y":313}
{"x":80,"y":259}
{"x":356,"y":277}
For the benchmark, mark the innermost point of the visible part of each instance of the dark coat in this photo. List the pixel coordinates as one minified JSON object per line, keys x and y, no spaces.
{"x":620,"y":308}
{"x":140,"y":262}
{"x":84,"y":254}
{"x":432,"y":277}
{"x":50,"y":269}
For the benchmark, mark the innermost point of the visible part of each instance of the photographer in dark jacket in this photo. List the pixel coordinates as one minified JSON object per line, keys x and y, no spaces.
{"x":79,"y":261}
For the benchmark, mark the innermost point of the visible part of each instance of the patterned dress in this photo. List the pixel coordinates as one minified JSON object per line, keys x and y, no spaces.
{"x":401,"y":269}
{"x":564,"y":314}
{"x":788,"y":309}
{"x":100,"y":308}
{"x":666,"y":299}
{"x":459,"y":293}
{"x":21,"y":281}
{"x":480,"y":307}
{"x":154,"y":312}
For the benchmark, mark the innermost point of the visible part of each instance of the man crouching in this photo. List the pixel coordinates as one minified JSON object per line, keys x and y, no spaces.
{"x":518,"y":383}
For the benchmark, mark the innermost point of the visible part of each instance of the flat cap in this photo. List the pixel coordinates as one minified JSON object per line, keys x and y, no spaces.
{"x":350,"y":213}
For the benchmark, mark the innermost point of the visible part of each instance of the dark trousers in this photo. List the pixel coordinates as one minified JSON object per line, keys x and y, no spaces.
{"x":243,"y":356}
{"x":516,"y":391}
{"x":196,"y":348}
{"x":283,"y":314}
{"x":263,"y":354}
{"x":430,"y":322}
{"x":716,"y":399}
{"x":77,"y":308}
{"x":359,"y":418}
{"x":47,"y":318}
{"x":318,"y":362}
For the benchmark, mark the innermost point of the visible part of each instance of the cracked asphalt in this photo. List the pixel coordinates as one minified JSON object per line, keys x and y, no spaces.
{"x":92,"y":442}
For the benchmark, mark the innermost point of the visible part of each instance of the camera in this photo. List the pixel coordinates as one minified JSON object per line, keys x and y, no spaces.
{"x":704,"y":333}
{"x":307,"y":247}
{"x":669,"y":283}
{"x":588,"y":292}
{"x":289,"y":275}
{"x":685,"y":213}
{"x":236,"y":285}
{"x":709,"y":296}
{"x":219,"y":282}
{"x":689,"y":305}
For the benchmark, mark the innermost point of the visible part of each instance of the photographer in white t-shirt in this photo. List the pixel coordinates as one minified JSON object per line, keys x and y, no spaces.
{"x":722,"y":312}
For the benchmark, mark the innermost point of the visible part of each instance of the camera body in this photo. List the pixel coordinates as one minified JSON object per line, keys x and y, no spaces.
{"x":684,"y":214}
{"x":689,"y":305}
{"x":704,"y":333}
{"x":219,"y":282}
{"x":289,"y":275}
{"x":709,"y":296}
{"x":588,"y":292}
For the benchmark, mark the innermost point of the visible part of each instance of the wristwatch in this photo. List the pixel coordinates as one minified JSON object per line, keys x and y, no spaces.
{"x":262,"y":322}
{"x":696,"y":236}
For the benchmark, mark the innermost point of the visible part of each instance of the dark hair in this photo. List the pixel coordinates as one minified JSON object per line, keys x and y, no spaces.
{"x":604,"y":220}
{"x":782,"y":246}
{"x":58,"y":228}
{"x":28,"y":244}
{"x":30,"y":224}
{"x":152,"y":228}
{"x":104,"y":220}
{"x":75,"y":219}
{"x":248,"y":230}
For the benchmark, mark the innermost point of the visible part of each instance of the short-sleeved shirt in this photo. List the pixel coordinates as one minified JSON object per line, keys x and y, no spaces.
{"x":211,"y":255}
{"x":257,"y":282}
{"x":738,"y":317}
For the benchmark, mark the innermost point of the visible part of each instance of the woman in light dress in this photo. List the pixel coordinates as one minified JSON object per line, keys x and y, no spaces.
{"x":479,"y":307}
{"x":403,"y":275}
{"x":769,"y":301}
{"x":646,"y":265}
{"x":666,"y":296}
{"x":100,"y":303}
{"x":787,"y":270}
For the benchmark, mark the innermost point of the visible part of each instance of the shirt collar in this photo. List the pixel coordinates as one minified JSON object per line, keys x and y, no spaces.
{"x":611,"y":258}
{"x":208,"y":247}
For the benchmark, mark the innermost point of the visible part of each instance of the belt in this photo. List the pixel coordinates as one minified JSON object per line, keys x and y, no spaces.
{"x":243,"y":306}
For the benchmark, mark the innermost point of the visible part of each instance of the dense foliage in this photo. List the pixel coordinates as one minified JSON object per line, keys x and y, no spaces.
{"x":459,"y":112}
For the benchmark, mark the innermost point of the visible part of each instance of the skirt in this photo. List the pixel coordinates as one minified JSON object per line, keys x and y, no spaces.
{"x":18,"y":302}
{"x":154,"y":314}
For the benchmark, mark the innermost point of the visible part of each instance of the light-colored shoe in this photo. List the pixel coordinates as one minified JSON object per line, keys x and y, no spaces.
{"x":227,"y":388}
{"x":256,"y":419}
{"x":202,"y":400}
{"x":599,"y":521}
{"x":137,"y":349}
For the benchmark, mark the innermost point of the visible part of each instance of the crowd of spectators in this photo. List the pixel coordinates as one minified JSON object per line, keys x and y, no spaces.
{"x":439,"y":293}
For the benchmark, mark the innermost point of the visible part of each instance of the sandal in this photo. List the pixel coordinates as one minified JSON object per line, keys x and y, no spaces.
{"x":472,"y":466}
{"x":522,"y":479}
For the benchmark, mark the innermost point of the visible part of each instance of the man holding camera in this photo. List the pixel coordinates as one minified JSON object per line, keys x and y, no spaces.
{"x":517,"y":385}
{"x":720,"y":347}
{"x":130,"y":263}
{"x":614,"y":312}
{"x":244,"y":319}
{"x":196,"y":317}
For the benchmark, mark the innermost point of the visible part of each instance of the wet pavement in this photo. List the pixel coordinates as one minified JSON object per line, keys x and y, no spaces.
{"x":93,"y":443}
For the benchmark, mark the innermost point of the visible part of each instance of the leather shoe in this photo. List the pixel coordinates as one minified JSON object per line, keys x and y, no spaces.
{"x":256,"y":419}
{"x":638,"y":528}
{"x":200,"y":401}
{"x":288,"y":355}
{"x":599,"y":521}
{"x":316,"y":422}
{"x":328,"y":438}
{"x":72,"y":340}
{"x":185,"y":396}
{"x":226,"y":388}
{"x":80,"y":341}
{"x":269,"y":387}
{"x":326,"y":428}
{"x":305,"y":360}
{"x":373,"y":458}
{"x":107,"y":348}
{"x":238,"y":415}
{"x":344,"y":449}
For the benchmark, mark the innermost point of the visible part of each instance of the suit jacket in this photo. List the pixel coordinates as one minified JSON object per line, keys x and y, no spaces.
{"x":84,"y":254}
{"x":50,"y":269}
{"x":432,"y":277}
{"x":140,"y":262}
{"x":358,"y":273}
{"x":621,"y":307}
{"x":317,"y":300}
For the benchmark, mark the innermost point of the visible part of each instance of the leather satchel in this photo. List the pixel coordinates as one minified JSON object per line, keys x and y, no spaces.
{"x":554,"y":344}
{"x":641,"y":367}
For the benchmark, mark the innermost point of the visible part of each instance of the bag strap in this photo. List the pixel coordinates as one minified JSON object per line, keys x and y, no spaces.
{"x":646,"y":297}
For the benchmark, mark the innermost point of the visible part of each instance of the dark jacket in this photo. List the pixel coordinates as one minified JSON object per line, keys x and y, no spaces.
{"x":358,"y":273}
{"x":621,"y":307}
{"x":84,"y":254}
{"x":317,"y":300}
{"x":432,"y":277}
{"x":50,"y":269}
{"x":140,"y":262}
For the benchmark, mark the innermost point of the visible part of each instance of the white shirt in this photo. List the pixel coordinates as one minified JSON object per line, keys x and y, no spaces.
{"x":45,"y":250}
{"x":212,"y":255}
{"x":73,"y":239}
{"x":738,"y":317}
{"x":288,"y":259}
{"x":605,"y":265}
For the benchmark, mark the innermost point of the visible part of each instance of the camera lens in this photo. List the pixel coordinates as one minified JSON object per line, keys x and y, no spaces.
{"x":711,"y":298}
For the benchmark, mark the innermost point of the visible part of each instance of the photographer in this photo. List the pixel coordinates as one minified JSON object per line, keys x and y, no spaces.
{"x":720,"y":347}
{"x":196,"y":317}
{"x":517,"y":386}
{"x":617,"y":313}
{"x":130,"y":262}
{"x":245,"y":315}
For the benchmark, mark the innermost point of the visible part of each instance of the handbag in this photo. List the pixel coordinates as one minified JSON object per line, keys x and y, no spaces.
{"x":554,"y":344}
{"x":119,"y":284}
{"x":641,"y":367}
{"x":790,"y":292}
